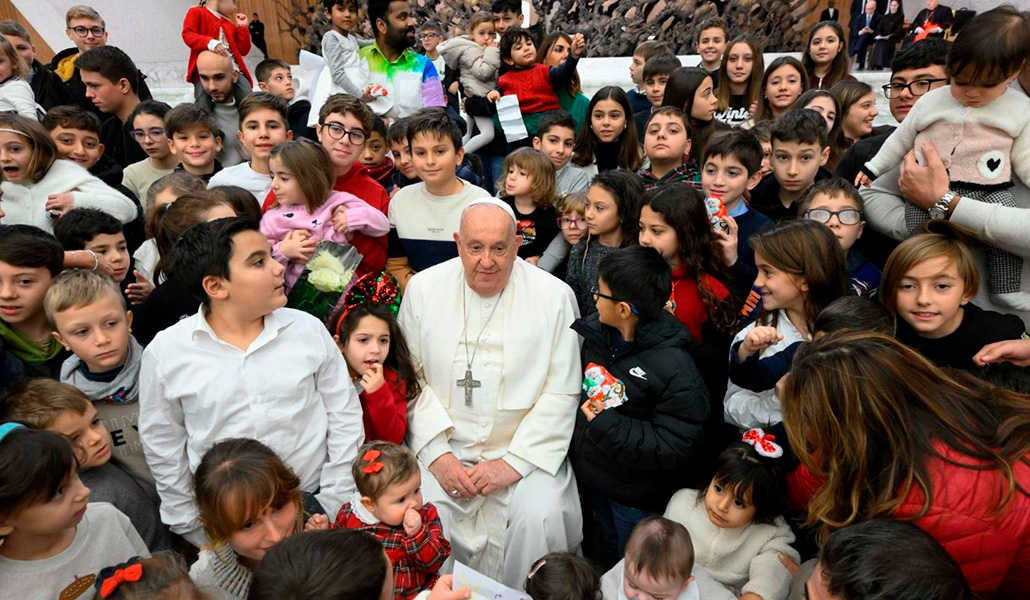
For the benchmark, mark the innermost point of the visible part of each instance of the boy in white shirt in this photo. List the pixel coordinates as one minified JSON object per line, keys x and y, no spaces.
{"x":263,"y":126}
{"x":244,"y":366}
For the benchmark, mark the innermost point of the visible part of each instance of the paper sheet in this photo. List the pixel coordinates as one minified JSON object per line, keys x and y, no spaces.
{"x":482,"y":587}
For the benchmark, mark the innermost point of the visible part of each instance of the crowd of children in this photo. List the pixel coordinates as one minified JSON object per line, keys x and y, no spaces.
{"x":780,"y":346}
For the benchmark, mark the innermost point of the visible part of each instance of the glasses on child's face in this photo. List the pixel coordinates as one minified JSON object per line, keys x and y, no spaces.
{"x":337,"y":131}
{"x":430,"y":36}
{"x":916,"y":88}
{"x":596,"y":291}
{"x":570,"y":223}
{"x":848,"y":216}
{"x":155,"y":134}
{"x":82,"y":32}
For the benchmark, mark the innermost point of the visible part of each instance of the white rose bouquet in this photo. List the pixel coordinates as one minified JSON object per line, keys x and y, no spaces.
{"x":326,"y":277}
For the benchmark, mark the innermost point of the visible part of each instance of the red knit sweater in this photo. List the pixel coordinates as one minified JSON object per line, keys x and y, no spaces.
{"x":532,"y":86}
{"x":201,"y":26}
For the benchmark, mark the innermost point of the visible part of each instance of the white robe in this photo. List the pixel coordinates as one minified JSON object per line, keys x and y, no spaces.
{"x":524,"y":413}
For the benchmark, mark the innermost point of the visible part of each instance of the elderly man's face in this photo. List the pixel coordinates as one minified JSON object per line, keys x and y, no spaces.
{"x":870,"y":7}
{"x":488,"y":246}
{"x":217,"y":75}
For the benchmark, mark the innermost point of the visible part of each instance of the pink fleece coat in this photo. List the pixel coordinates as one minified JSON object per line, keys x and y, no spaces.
{"x":282,"y":219}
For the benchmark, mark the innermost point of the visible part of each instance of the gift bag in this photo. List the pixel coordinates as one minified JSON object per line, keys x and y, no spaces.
{"x":510,"y":116}
{"x":325,"y":280}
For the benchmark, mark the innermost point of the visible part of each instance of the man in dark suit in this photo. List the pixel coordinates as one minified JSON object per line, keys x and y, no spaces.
{"x":863,"y":32}
{"x":830,"y":14}
{"x":257,"y":34}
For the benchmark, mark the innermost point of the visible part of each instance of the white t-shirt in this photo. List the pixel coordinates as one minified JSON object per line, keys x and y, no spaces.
{"x":245,"y":177}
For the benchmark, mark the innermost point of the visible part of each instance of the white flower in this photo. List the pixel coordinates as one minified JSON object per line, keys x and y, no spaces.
{"x":326,"y":280}
{"x":325,"y":261}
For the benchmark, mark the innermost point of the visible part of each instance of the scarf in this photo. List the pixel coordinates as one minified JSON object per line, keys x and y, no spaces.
{"x":123,"y":388}
{"x":229,"y":574}
{"x":29,"y":351}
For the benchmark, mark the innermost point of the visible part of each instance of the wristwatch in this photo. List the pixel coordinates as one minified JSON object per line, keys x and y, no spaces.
{"x":940,"y":210}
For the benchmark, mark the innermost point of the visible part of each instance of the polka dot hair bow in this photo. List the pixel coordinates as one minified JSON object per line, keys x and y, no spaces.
{"x":763,"y":442}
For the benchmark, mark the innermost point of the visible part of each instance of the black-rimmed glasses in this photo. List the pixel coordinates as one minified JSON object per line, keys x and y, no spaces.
{"x":596,"y":291}
{"x":82,"y":32}
{"x":916,"y":88}
{"x":337,"y":131}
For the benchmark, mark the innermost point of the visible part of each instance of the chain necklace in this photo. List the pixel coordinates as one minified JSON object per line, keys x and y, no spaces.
{"x":467,"y":382}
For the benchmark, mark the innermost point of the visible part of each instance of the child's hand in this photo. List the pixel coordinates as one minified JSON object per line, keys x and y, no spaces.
{"x":862,"y":180}
{"x":221,"y":50}
{"x":373,"y":378}
{"x":60,"y":203}
{"x":139,"y":291}
{"x":454,"y":87}
{"x":366,"y":96}
{"x":592,"y":408}
{"x":533,"y":260}
{"x":412,"y":522}
{"x":298,"y":245}
{"x":493,"y":96}
{"x":443,"y":590}
{"x":340,"y":224}
{"x":791,"y":565}
{"x":316,"y":523}
{"x":727,"y":241}
{"x":579,"y":44}
{"x":242,"y":20}
{"x":758,"y":339}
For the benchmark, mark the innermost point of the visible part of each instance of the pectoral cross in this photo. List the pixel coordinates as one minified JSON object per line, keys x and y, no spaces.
{"x":469,"y":384}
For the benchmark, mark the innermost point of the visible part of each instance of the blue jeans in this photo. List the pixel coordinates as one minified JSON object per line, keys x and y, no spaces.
{"x":616,"y":521}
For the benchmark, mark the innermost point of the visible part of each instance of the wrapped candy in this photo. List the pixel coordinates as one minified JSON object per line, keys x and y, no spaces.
{"x":603,"y":389}
{"x":326,"y":277}
{"x":717,"y":213}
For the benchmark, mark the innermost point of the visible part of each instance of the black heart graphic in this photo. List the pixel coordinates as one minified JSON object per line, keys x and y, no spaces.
{"x":288,"y":215}
{"x":993,"y":164}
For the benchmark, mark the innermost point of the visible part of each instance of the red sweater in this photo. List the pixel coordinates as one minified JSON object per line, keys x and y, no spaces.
{"x":357,"y":182}
{"x":690,"y":308}
{"x":532,"y":86}
{"x":384,"y":412}
{"x":201,"y":26}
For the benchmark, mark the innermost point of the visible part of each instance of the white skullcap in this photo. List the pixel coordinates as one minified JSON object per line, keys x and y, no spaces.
{"x":492,"y":202}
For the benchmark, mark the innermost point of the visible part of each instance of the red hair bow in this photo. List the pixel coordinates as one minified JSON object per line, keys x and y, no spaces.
{"x":763,"y":442}
{"x":132,"y":573}
{"x":373,"y":467}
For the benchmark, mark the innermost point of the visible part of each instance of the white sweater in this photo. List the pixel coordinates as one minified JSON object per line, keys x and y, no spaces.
{"x":744,"y":559}
{"x":26,"y":203}
{"x":16,"y":96}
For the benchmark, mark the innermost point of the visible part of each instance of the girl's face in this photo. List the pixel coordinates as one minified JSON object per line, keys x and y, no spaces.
{"x":151,"y":129}
{"x":367,"y":345}
{"x":396,"y":500}
{"x":6,"y":68}
{"x":931,"y":296}
{"x":725,"y":508}
{"x":483,"y":34}
{"x":46,"y":518}
{"x":739,"y":63}
{"x":826,"y":107}
{"x":268,"y":528}
{"x":858,"y":123}
{"x":783,"y":87}
{"x":518,"y":182}
{"x":15,"y":155}
{"x":284,"y":184}
{"x":656,"y":233}
{"x":780,"y":290}
{"x":825,"y":46}
{"x":558,"y":53}
{"x":894,"y":6}
{"x":344,"y":17}
{"x":705,"y":101}
{"x":974,"y":94}
{"x":573,"y":227}
{"x":608,"y":120}
{"x":602,"y":211}
{"x":226,"y":7}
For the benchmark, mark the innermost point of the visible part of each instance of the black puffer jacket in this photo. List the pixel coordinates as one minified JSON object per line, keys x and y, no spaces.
{"x":638,"y":454}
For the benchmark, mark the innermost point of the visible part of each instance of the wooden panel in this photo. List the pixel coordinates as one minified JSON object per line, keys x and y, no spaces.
{"x":287,"y":24}
{"x":43,"y":51}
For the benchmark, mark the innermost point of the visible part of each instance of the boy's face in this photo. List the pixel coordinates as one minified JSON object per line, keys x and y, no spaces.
{"x":77,"y":145}
{"x":52,"y":516}
{"x":343,"y":152}
{"x":726,"y":177}
{"x":523,"y":53}
{"x":430,"y":39}
{"x":255,"y":283}
{"x":89,"y":27}
{"x":901,"y":103}
{"x":106,"y":95}
{"x":711,"y":44}
{"x":641,"y":586}
{"x":149,"y":133}
{"x":665,"y":139}
{"x":402,"y":159}
{"x":196,"y":147}
{"x":505,"y":20}
{"x":654,"y":86}
{"x":97,"y":333}
{"x":573,"y":226}
{"x":262,"y":130}
{"x":112,"y":247}
{"x":279,"y":83}
{"x":610,"y":312}
{"x":22,"y":290}
{"x":23,"y":47}
{"x":375,"y":150}
{"x":636,"y":69}
{"x":796,"y":164}
{"x":837,"y":209}
{"x":88,"y":435}
{"x":483,"y":34}
{"x":557,"y":144}
{"x":344,"y":16}
{"x":435,"y":158}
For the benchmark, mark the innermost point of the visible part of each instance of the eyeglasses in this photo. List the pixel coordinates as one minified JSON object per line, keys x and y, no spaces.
{"x":139,"y":135}
{"x":848,"y":216}
{"x":567,"y":223}
{"x":916,"y":88}
{"x":82,"y":32}
{"x":596,"y":291}
{"x":337,"y":131}
{"x":429,"y":36}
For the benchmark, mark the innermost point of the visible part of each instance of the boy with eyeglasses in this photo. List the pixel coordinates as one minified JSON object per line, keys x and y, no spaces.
{"x":148,"y":130}
{"x":838,"y":205}
{"x":430,"y":35}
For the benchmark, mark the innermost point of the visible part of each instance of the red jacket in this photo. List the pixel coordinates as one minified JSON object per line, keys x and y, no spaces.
{"x":384,"y":412}
{"x":992,"y":549}
{"x":201,"y":26}
{"x":357,"y":182}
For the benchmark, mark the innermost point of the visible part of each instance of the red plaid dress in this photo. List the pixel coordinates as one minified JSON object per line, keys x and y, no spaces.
{"x":416,"y":559}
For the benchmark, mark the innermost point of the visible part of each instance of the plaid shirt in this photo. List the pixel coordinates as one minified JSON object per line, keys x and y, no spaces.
{"x":416,"y":559}
{"x":685,"y":173}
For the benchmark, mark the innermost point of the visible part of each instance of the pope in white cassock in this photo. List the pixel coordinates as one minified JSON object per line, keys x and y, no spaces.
{"x":496,"y":414}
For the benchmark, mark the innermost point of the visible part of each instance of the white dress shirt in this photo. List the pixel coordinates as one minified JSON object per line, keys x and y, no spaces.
{"x":289,"y":390}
